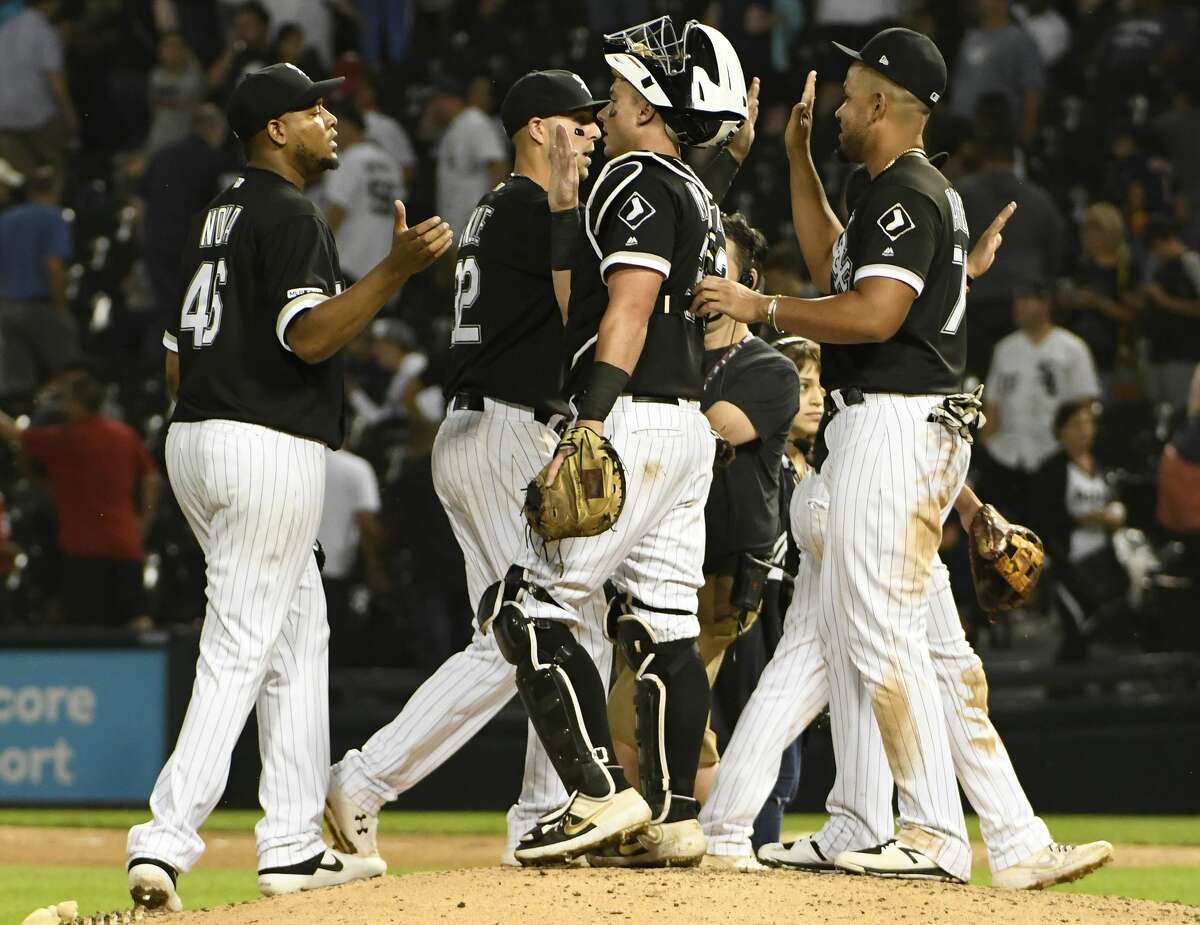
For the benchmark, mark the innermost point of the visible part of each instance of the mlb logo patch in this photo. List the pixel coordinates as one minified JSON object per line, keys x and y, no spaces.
{"x":895,"y":222}
{"x":635,"y":210}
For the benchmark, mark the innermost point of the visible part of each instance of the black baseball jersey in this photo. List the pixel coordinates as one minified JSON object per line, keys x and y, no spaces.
{"x":258,"y":257}
{"x":647,"y":210}
{"x":742,"y":512}
{"x":909,"y":225}
{"x":507,"y":340}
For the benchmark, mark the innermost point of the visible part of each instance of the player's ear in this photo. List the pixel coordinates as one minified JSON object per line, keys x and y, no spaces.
{"x":277,"y":132}
{"x":646,"y":112}
{"x":753,"y":278}
{"x":537,"y":130}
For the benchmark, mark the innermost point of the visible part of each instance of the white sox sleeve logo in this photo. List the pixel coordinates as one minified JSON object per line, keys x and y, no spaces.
{"x":895,"y":221}
{"x":635,"y":210}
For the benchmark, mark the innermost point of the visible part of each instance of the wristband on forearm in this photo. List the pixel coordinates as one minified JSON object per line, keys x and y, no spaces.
{"x":564,"y":232}
{"x":603,"y":385}
{"x":718,"y":174}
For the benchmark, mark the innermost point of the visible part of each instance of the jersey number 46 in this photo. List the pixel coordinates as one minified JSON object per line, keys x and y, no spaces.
{"x":202,"y":303}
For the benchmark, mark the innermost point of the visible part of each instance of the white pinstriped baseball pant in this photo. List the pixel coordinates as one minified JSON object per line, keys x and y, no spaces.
{"x":794,"y":689}
{"x":253,"y":498}
{"x":482,"y":461}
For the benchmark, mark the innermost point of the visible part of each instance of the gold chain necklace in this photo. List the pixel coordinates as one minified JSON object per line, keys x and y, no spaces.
{"x":916,"y":150}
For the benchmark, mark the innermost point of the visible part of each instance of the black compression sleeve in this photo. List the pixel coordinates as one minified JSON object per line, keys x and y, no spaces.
{"x":564,"y":232}
{"x":600,"y":391}
{"x":718,"y":174}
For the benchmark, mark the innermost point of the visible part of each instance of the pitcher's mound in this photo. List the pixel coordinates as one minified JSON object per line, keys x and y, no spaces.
{"x":491,"y":896}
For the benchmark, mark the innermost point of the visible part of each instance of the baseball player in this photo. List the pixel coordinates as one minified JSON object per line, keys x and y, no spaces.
{"x":894,"y":339}
{"x":255,"y":363}
{"x":504,"y":399}
{"x":634,"y":352}
{"x":794,"y":689}
{"x":748,"y":402}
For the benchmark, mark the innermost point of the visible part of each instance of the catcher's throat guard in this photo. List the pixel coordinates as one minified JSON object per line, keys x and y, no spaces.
{"x":588,"y":493}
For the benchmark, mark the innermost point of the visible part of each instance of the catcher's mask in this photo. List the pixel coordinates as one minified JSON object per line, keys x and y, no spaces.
{"x":695,"y":81}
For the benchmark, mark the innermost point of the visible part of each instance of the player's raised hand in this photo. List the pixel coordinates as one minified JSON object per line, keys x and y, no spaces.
{"x":798,"y":133}
{"x":563,"y":191}
{"x":979,"y":261}
{"x":740,"y":144}
{"x":716,"y":294}
{"x":413,"y":249}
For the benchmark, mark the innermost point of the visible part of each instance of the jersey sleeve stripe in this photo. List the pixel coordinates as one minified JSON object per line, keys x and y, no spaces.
{"x":292,"y":311}
{"x":908,"y":277}
{"x":635,"y":259}
{"x":170,"y":342}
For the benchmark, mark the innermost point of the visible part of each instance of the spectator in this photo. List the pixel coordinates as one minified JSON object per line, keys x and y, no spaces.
{"x":784,"y":271}
{"x":37,"y":117}
{"x":1179,"y":476}
{"x":359,"y":196}
{"x":1138,"y":180}
{"x":385,"y":131}
{"x":1033,"y":238}
{"x":386,"y":30}
{"x":1047,"y":27}
{"x":291,"y":47}
{"x":177,"y":86}
{"x":177,"y":183}
{"x":1171,"y":313}
{"x":315,"y":19}
{"x":350,"y":524}
{"x":248,"y":49}
{"x":1179,"y":131}
{"x":105,"y":488}
{"x":1075,"y":513}
{"x":1097,"y":294}
{"x":394,"y":349}
{"x":1034,"y":370}
{"x":471,"y":154}
{"x":37,"y":333}
{"x":998,"y":56}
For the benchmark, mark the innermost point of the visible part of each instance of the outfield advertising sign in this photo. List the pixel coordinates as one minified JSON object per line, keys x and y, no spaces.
{"x":81,"y":726}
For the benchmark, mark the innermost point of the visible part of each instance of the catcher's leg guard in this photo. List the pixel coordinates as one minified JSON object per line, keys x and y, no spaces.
{"x":558,"y":684}
{"x":671,"y":702}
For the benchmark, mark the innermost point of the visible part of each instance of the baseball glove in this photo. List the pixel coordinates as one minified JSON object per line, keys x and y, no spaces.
{"x":588,"y":492}
{"x":1006,"y":561}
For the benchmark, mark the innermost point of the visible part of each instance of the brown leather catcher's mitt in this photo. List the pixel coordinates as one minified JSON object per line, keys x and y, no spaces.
{"x":588,"y":492}
{"x":1006,"y":560}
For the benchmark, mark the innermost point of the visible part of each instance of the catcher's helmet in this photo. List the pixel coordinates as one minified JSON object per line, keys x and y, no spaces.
{"x":695,"y":81}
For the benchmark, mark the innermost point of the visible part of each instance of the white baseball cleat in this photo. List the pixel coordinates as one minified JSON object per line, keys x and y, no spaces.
{"x":586,"y":824}
{"x":352,"y":829}
{"x":665,"y":844}
{"x":329,"y":868}
{"x":152,"y":885}
{"x":894,"y":859}
{"x":1054,"y":864}
{"x":801,"y":854}
{"x":745,"y":863}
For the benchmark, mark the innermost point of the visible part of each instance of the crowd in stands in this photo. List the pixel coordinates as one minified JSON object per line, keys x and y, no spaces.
{"x":1086,"y":331}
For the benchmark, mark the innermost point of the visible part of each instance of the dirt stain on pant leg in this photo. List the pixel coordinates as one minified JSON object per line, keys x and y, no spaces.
{"x":893,"y":715}
{"x":983,"y":733}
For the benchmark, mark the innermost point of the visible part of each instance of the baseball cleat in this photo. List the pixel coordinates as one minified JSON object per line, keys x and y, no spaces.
{"x":745,"y":863}
{"x":152,"y":885}
{"x":1054,"y":864}
{"x":801,"y":854}
{"x":352,"y":829}
{"x":896,"y":860}
{"x":585,"y":824}
{"x":329,"y":868}
{"x":664,"y":844}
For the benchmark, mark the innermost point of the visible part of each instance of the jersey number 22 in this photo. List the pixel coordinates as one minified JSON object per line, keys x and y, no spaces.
{"x":466,"y":291}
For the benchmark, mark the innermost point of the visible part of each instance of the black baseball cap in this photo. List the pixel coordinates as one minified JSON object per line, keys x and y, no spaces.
{"x":544,"y":93}
{"x":268,"y":93}
{"x":908,"y":59}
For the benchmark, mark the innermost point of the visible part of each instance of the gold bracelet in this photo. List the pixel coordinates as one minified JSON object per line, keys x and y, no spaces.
{"x":771,"y":309}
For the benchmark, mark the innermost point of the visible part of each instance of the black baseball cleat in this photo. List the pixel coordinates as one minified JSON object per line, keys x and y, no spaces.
{"x":585,"y":824}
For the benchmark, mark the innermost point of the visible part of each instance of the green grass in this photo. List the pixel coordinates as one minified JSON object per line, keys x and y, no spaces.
{"x":1137,"y":830}
{"x":1164,"y":884}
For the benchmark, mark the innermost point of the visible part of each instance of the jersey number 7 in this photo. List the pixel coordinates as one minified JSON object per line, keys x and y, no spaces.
{"x":202,"y":303}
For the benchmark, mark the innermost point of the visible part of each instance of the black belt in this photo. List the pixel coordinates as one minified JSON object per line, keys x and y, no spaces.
{"x":849,"y":397}
{"x":473,"y":401}
{"x":657,"y":399}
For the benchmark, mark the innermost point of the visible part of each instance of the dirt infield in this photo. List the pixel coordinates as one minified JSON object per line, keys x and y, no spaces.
{"x":474,"y":891}
{"x":687,"y":897}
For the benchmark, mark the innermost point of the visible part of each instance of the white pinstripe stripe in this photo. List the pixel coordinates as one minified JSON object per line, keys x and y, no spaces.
{"x":264,"y":639}
{"x":481,"y":464}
